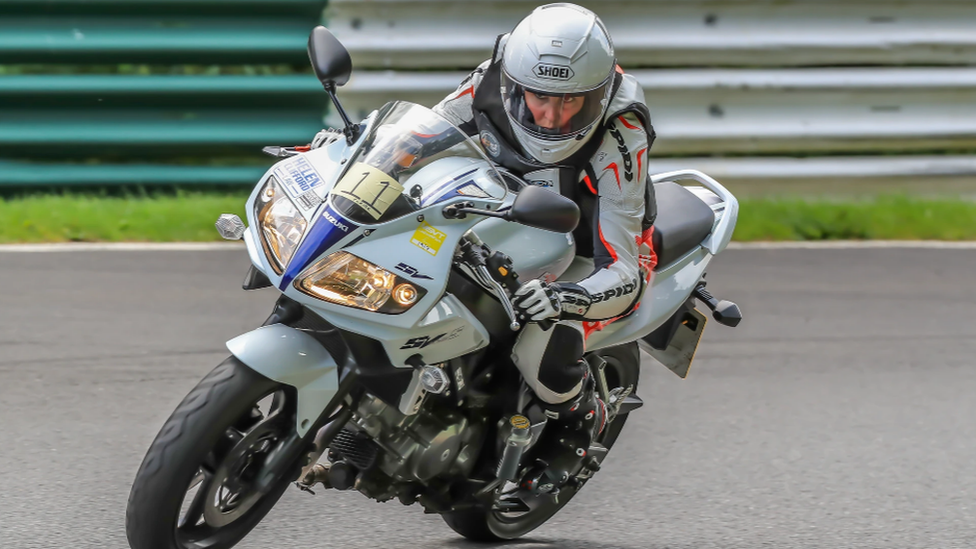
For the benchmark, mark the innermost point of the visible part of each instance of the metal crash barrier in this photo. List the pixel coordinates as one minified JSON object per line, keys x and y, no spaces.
{"x":746,"y":90}
{"x":89,"y":94}
{"x":759,"y":90}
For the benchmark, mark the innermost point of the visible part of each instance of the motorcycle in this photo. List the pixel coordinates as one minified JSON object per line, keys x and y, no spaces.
{"x":385,"y":366}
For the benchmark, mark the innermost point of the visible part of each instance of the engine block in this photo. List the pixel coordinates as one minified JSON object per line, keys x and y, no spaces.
{"x":422,"y":446}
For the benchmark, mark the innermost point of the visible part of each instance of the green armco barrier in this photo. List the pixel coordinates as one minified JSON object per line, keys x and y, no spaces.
{"x":15,"y":174}
{"x":117,"y":129}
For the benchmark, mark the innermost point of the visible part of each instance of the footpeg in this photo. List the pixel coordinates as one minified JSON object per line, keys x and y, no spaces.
{"x":316,"y":474}
{"x":511,"y":505}
{"x":725,"y":312}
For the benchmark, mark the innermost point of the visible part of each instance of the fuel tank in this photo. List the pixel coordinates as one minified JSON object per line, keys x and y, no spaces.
{"x":536,"y":253}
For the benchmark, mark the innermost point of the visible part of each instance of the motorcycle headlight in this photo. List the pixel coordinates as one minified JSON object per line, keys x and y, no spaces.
{"x":282,"y":225}
{"x":345,"y":279}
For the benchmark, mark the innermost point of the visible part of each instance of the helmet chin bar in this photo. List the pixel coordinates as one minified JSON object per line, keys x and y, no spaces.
{"x":550,"y":151}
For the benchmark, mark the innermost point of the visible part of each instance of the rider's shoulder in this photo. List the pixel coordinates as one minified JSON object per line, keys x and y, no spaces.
{"x":629,"y":94}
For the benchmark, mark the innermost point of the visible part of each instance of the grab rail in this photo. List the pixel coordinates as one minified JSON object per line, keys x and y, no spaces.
{"x":722,"y":233}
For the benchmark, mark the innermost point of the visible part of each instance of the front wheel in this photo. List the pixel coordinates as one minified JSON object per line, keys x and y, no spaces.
{"x":206,"y":480}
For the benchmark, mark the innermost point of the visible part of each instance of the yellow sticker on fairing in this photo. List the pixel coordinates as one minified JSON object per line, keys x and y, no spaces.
{"x":369,"y":188}
{"x":428,"y":239}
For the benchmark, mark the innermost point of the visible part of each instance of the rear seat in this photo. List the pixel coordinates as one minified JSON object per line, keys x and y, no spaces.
{"x":683,"y":221}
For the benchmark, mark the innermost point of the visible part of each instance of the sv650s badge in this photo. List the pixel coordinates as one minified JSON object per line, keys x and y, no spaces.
{"x":424,"y":341}
{"x":411,"y":271}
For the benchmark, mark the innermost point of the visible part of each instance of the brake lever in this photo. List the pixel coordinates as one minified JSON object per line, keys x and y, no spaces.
{"x":500,"y":268}
{"x":502,"y":297}
{"x":474,"y":254}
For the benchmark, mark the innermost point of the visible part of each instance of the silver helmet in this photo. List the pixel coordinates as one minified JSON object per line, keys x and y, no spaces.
{"x":557,"y":78}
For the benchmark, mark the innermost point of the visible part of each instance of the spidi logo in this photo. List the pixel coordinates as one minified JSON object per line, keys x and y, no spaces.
{"x":553,"y":72}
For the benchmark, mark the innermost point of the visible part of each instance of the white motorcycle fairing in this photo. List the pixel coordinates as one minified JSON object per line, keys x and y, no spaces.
{"x":438,"y":325}
{"x":292,"y":357}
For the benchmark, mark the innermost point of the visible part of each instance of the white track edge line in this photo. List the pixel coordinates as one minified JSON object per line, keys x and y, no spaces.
{"x":855,"y":245}
{"x":122,"y":247}
{"x":212,"y":246}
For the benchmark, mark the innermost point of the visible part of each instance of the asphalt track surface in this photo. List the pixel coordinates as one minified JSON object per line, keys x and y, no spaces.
{"x":839,"y":414}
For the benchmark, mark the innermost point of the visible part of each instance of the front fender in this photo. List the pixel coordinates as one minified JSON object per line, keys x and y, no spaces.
{"x":289,"y":356}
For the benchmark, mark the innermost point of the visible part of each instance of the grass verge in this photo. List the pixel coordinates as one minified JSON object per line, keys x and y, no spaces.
{"x":891,"y":217}
{"x":189,"y":216}
{"x":180,"y":217}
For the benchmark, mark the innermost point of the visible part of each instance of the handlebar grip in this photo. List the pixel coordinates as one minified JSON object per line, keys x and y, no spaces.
{"x":514,"y":285}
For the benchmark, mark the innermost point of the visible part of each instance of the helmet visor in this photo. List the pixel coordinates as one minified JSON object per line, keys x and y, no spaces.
{"x":553,"y":115}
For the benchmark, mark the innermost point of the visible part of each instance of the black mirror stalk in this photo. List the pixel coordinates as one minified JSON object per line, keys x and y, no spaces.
{"x":461,"y":210}
{"x":533,"y":207}
{"x":333,"y":66}
{"x":351,"y":131}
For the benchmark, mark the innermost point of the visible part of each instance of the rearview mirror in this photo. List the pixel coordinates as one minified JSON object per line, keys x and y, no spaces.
{"x":542,"y":209}
{"x":330,"y":60}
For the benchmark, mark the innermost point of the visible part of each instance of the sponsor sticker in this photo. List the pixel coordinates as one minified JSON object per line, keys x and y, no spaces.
{"x":299,"y":178}
{"x":369,"y":188}
{"x":472,"y":190}
{"x":428,"y":238}
{"x":490,"y":143}
{"x":309,"y":200}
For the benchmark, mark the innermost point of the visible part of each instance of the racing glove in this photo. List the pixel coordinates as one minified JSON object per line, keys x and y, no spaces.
{"x":538,"y":300}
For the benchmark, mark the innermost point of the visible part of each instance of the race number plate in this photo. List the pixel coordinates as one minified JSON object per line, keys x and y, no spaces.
{"x":369,"y":188}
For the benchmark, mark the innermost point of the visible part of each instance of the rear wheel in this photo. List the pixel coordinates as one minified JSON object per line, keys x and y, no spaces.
{"x":209,"y":477}
{"x":622,"y":370}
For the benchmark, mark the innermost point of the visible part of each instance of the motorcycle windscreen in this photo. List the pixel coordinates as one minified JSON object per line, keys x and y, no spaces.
{"x":384,"y":178}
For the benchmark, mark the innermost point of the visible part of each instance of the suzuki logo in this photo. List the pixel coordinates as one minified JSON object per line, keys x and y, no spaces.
{"x":338,"y":224}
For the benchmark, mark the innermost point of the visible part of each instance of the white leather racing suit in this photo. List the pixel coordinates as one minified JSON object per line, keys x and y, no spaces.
{"x":622,"y":251}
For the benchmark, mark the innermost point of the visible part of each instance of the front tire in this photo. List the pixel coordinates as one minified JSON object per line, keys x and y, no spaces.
{"x":622,"y":370}
{"x":204,"y":480}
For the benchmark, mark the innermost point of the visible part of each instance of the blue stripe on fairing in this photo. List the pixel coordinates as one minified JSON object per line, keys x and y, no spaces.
{"x":443,"y":187}
{"x":323,"y":235}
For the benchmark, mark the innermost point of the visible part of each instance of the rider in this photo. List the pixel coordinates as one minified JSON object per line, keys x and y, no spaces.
{"x":553,"y":107}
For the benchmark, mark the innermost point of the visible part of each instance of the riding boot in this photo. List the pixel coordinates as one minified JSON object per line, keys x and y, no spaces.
{"x":563,"y":448}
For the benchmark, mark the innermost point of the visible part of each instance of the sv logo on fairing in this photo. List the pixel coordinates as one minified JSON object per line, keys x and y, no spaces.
{"x":424,"y":341}
{"x":338,"y":224}
{"x":553,"y":72}
{"x":412,"y":272}
{"x":624,"y":151}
